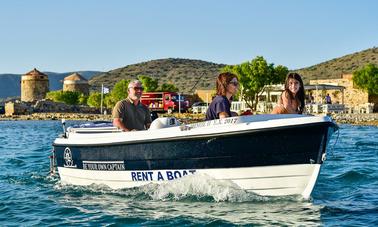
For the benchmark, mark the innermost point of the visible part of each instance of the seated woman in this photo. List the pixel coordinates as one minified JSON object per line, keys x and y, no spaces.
{"x":227,"y":86}
{"x":292,"y":98}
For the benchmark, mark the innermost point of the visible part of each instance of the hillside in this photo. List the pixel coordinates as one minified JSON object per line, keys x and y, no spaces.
{"x":336,"y":67}
{"x":188,"y":75}
{"x":183,"y":73}
{"x":10,"y":83}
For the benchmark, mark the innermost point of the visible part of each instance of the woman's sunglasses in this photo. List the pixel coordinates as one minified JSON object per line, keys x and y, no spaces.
{"x":235,"y":83}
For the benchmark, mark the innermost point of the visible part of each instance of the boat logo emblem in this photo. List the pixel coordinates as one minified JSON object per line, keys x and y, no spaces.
{"x":68,"y":158}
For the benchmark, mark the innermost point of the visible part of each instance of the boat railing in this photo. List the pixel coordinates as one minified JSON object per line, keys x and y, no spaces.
{"x":94,"y":130}
{"x":325,"y":108}
{"x":94,"y":127}
{"x":199,"y":109}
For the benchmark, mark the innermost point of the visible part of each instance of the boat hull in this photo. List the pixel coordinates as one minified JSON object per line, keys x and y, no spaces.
{"x":266,"y":180}
{"x":273,"y":161}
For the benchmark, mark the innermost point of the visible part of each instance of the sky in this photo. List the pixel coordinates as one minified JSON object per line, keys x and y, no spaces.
{"x":102,"y":35}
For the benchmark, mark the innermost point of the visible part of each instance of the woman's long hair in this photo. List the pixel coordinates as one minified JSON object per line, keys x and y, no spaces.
{"x":301,"y":92}
{"x":223,"y":80}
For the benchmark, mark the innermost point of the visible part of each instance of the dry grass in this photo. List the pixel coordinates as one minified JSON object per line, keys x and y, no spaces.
{"x":344,"y":65}
{"x":185,"y":73}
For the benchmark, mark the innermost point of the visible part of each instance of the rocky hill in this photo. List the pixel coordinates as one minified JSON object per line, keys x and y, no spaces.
{"x":336,"y":67}
{"x":187,"y":75}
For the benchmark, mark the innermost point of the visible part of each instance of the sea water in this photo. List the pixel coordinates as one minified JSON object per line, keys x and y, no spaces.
{"x":346,"y":193}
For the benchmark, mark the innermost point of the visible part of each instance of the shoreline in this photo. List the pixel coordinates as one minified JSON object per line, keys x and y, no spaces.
{"x":56,"y":117}
{"x":355,"y":119}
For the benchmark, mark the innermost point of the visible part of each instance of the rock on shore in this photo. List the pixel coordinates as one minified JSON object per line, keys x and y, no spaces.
{"x":57,"y":116}
{"x":358,"y":119}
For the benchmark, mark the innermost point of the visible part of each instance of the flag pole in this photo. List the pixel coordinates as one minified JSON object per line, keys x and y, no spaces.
{"x":179,"y":96}
{"x":102,"y":94}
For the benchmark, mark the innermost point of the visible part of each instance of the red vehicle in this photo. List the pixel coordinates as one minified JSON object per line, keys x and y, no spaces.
{"x":164,"y":101}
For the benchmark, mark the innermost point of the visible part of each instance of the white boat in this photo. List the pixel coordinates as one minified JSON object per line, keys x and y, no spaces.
{"x":271,"y":155}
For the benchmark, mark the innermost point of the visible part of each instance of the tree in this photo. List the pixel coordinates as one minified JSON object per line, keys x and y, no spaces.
{"x":280,"y":73}
{"x":94,"y":99}
{"x":118,"y":93}
{"x":277,"y":77}
{"x":254,"y":75}
{"x":68,"y":97}
{"x":71,"y":97}
{"x":168,"y":87}
{"x":83,"y":99}
{"x":149,"y":83}
{"x":367,"y":79}
{"x":54,"y":96}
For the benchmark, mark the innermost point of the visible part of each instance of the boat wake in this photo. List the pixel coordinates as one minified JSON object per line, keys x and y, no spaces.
{"x":194,"y":199}
{"x":199,"y":187}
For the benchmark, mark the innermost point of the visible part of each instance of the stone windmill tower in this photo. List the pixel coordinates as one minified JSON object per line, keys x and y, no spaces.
{"x":34,"y":86}
{"x":76,"y":82}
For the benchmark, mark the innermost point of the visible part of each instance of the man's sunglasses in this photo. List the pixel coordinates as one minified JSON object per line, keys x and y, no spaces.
{"x":138,"y":88}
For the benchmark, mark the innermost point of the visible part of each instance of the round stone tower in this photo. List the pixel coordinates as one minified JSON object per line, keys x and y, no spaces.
{"x":75,"y":82}
{"x":34,"y":86}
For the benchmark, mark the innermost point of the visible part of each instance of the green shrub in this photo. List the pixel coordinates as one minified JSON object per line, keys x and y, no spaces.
{"x":94,"y":99}
{"x":68,"y":97}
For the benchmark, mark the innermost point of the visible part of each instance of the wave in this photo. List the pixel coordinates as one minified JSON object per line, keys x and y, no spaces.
{"x":345,"y":214}
{"x":367,"y":143}
{"x":352,"y":176}
{"x":200,"y":187}
{"x":194,"y":201}
{"x":14,"y":162}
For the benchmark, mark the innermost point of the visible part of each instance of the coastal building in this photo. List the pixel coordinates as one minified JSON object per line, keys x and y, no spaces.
{"x":16,"y":108}
{"x":205,"y":95}
{"x":76,"y":82}
{"x":356,"y":100}
{"x":270,"y":94}
{"x":34,"y":86}
{"x":345,"y":96}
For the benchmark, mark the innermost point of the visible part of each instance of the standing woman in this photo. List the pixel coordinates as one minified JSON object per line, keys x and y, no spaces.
{"x":292,"y":98}
{"x":227,"y":86}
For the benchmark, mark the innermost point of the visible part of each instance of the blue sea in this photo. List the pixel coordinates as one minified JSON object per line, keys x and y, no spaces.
{"x":346,"y":193}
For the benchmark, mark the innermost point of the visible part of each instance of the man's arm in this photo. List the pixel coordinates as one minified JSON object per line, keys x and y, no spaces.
{"x":148,"y":120}
{"x":118,"y":112}
{"x":117,"y":122}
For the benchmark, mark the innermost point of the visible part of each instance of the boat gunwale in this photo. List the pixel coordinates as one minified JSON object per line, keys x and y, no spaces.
{"x":194,"y":137}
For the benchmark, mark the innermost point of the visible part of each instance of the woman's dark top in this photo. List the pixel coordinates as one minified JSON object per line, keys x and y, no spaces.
{"x":218,"y":105}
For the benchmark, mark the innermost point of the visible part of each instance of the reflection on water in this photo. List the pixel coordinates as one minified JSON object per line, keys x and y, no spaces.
{"x":191,"y":199}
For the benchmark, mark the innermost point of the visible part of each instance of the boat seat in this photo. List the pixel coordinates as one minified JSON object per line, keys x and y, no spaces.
{"x":164,"y":122}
